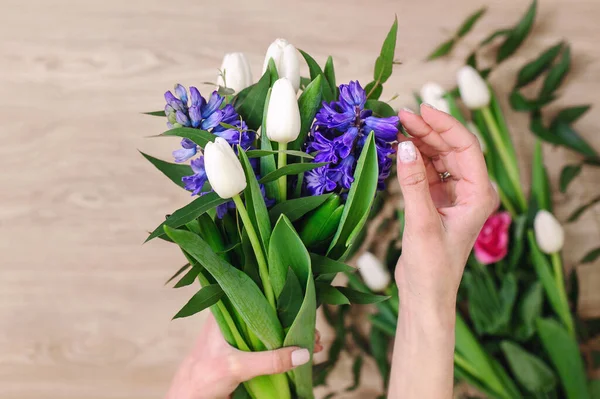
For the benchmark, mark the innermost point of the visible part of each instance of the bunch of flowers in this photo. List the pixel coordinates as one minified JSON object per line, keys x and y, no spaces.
{"x":282,"y":186}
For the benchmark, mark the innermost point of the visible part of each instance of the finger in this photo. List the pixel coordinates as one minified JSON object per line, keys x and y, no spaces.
{"x":433,"y":174}
{"x":464,"y":145}
{"x":420,"y":211}
{"x":247,"y":365}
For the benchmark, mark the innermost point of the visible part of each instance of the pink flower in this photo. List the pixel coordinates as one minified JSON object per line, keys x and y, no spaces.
{"x":492,"y":244}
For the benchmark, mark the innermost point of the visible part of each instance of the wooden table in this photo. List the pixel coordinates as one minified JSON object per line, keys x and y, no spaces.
{"x":83,"y":310}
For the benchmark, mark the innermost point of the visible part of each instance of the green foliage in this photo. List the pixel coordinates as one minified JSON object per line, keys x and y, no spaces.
{"x":206,"y":297}
{"x":447,"y":46}
{"x":581,"y":210}
{"x":294,"y":209}
{"x":384,"y":64}
{"x":173,"y":171}
{"x":250,"y":102}
{"x":200,"y":137}
{"x":535,"y":68}
{"x":568,"y":173}
{"x":308,"y":103}
{"x":529,"y":370}
{"x":516,"y":36}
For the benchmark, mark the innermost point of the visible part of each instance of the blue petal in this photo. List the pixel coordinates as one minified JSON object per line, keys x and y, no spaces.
{"x":196,"y":97}
{"x":181,"y":93}
{"x":187,"y":144}
{"x":213,"y":120}
{"x":195,"y":116}
{"x":385,"y":128}
{"x":183,"y":154}
{"x":182,"y":119}
{"x":213,"y":105}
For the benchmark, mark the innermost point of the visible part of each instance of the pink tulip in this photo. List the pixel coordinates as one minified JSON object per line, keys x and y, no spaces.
{"x":492,"y":244}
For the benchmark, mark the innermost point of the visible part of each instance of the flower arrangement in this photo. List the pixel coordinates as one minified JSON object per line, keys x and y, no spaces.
{"x":282,"y":186}
{"x":517,"y":330}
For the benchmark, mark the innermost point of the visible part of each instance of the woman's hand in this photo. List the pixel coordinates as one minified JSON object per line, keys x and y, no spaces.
{"x":443,"y":217}
{"x":214,"y":368}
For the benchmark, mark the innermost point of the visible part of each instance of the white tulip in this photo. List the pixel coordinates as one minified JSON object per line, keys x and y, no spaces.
{"x":473,"y":89}
{"x":433,"y":94}
{"x":473,"y":129}
{"x":373,"y":272}
{"x":238,"y":74}
{"x":223,"y":169}
{"x":283,"y":114}
{"x":286,"y":60}
{"x":549,"y":234}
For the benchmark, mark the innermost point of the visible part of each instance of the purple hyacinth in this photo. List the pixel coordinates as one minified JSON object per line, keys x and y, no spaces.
{"x":338,"y":136}
{"x":195,"y":182}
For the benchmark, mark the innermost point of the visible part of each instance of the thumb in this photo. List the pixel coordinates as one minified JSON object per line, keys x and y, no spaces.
{"x":419,"y":208}
{"x":247,"y":365}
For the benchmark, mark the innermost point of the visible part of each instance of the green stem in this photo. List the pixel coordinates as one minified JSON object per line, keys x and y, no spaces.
{"x":281,"y":162}
{"x":560,"y":285}
{"x":258,"y":251}
{"x":509,"y":164}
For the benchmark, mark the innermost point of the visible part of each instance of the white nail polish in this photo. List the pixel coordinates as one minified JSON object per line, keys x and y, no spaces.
{"x":410,"y":111}
{"x":407,"y":152}
{"x":430,"y":106}
{"x":300,"y":357}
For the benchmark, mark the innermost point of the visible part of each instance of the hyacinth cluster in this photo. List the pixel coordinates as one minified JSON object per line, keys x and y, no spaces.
{"x":193,"y":111}
{"x":338,"y":137}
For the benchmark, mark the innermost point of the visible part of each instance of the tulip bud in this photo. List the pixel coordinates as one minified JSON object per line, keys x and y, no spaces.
{"x":286,"y":60}
{"x":283,"y":114}
{"x":473,"y":129}
{"x":373,"y":272}
{"x":473,"y":89}
{"x":433,"y":94}
{"x":223,"y":169}
{"x":236,"y":69}
{"x":549,"y":234}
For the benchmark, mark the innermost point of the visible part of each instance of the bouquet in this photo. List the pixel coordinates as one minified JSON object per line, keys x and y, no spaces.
{"x":282,"y":186}
{"x":517,"y":330}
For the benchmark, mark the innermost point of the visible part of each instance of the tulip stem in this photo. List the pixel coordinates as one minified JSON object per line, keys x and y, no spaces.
{"x":560,"y":285}
{"x":511,"y":167}
{"x":281,"y":162}
{"x":258,"y":250}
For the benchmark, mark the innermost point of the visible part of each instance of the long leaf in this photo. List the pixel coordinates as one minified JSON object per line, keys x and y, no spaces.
{"x":535,"y":68}
{"x":172,"y":170}
{"x":380,"y":108}
{"x":206,"y":297}
{"x":291,"y":169}
{"x":540,"y":183}
{"x":468,"y":24}
{"x":570,"y":115}
{"x":441,"y":50}
{"x":329,"y":73}
{"x":557,"y":74}
{"x":198,"y":136}
{"x":178,"y":272}
{"x":530,"y":371}
{"x":324,"y":265}
{"x":290,"y":300}
{"x":188,"y":213}
{"x":263,"y":153}
{"x":255,"y":203}
{"x":359,"y":201}
{"x":579,"y":211}
{"x":294,"y":209}
{"x":308,"y":103}
{"x":568,"y":173}
{"x":361,"y":298}
{"x":517,"y":34}
{"x":244,"y":294}
{"x":591,"y":256}
{"x":189,"y":277}
{"x":330,"y":295}
{"x":563,"y":351}
{"x":385,"y":62}
{"x":250,"y":102}
{"x":316,"y":71}
{"x":569,"y":138}
{"x":155,"y":113}
{"x":530,"y":309}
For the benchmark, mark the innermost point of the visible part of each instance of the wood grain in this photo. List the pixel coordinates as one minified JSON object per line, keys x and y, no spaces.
{"x":83,"y":313}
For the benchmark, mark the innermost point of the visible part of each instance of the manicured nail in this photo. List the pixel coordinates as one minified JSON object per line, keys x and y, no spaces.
{"x":410,"y":111}
{"x":430,"y":106}
{"x":300,"y":357}
{"x":407,"y":152}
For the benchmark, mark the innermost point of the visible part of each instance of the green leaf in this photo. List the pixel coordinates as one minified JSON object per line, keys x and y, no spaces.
{"x":206,"y":297}
{"x":568,"y":173}
{"x":178,"y":272}
{"x":155,"y":113}
{"x":264,"y":153}
{"x":530,"y":371}
{"x":569,"y":138}
{"x":535,"y":68}
{"x":517,"y":34}
{"x":255,"y":202}
{"x":200,"y":137}
{"x":173,"y":171}
{"x":325,"y":265}
{"x":471,"y":61}
{"x":304,"y":81}
{"x":361,"y":298}
{"x":189,"y":277}
{"x":563,"y":351}
{"x":308,"y":103}
{"x":330,"y":295}
{"x":291,"y":169}
{"x":470,"y":22}
{"x":359,"y":201}
{"x":285,"y":250}
{"x":536,"y":125}
{"x":356,"y":369}
{"x":380,"y":108}
{"x":530,"y":309}
{"x":250,"y":102}
{"x":519,"y":103}
{"x":570,"y":115}
{"x":579,"y":211}
{"x":590,"y":256}
{"x":385,"y":62}
{"x":594,"y":386}
{"x":494,"y":35}
{"x":290,"y":299}
{"x":557,"y":74}
{"x":329,"y":73}
{"x":188,"y":213}
{"x":245,"y":296}
{"x":540,"y":183}
{"x":294,"y":209}
{"x":442,"y":50}
{"x":374,"y":90}
{"x":379,"y":345}
{"x":315,"y":71}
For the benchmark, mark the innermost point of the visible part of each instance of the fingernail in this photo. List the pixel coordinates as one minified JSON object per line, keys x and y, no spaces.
{"x":410,"y":111}
{"x":300,"y":357}
{"x":407,"y":152}
{"x":430,"y":106}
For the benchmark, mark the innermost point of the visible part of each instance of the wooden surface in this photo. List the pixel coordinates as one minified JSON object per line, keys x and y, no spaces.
{"x":83,"y":313}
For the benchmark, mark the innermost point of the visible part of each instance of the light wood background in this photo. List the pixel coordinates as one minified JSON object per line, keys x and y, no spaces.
{"x":83,"y":312}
